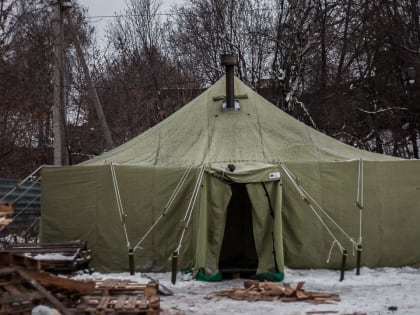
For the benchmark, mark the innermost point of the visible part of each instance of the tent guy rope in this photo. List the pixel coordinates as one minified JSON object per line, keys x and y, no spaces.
{"x":121,"y":212}
{"x":305,"y":197}
{"x":186,"y":221}
{"x":188,"y":212}
{"x":167,"y":206}
{"x":309,"y":200}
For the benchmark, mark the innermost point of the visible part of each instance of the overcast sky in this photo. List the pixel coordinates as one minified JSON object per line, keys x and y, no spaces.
{"x":98,"y":8}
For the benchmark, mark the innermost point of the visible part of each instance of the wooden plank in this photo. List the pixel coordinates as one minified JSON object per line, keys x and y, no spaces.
{"x":69,"y":285}
{"x":300,"y":285}
{"x":108,"y":283}
{"x":120,"y":304}
{"x":251,"y":284}
{"x":29,"y":297}
{"x":103,"y":303}
{"x":289,"y":291}
{"x":12,"y":290}
{"x":53,"y":300}
{"x":131,"y":302}
{"x":142,"y":303}
{"x":11,"y":259}
{"x":154,"y":302}
{"x":162,"y":289}
{"x":67,"y":244}
{"x":151,"y":289}
{"x":300,"y":295}
{"x":19,"y":309}
{"x":25,"y":254}
{"x":269,"y":291}
{"x":124,"y":283}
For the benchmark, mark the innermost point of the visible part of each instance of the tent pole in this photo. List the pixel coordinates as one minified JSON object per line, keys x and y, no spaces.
{"x":359,"y":204}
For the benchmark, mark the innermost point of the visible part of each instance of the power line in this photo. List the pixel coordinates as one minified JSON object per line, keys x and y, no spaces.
{"x":171,"y":13}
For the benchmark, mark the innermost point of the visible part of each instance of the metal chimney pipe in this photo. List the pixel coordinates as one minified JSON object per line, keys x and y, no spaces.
{"x":229,"y":61}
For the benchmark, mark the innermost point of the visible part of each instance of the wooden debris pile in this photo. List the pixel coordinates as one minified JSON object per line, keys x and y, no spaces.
{"x":54,"y":257}
{"x":268,"y":291}
{"x":21,"y":291}
{"x":6,"y":209}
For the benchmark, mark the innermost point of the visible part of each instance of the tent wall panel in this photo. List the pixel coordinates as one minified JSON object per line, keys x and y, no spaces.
{"x":144,"y":193}
{"x":69,"y":205}
{"x":391,"y":208}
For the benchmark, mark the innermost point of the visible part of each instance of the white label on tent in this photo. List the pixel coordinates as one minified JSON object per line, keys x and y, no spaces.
{"x":275,"y":175}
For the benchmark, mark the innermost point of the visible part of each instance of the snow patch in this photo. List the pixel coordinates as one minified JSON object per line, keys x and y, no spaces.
{"x":375,"y":291}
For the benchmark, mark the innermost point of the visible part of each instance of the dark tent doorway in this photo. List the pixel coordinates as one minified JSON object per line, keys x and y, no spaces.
{"x":238,"y":253}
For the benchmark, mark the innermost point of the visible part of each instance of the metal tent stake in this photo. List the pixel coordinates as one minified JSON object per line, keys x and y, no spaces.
{"x":174,"y":266}
{"x":131,"y":261}
{"x":359,"y":258}
{"x":343,"y":264}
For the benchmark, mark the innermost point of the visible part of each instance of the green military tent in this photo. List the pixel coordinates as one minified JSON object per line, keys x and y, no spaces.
{"x":248,"y":188}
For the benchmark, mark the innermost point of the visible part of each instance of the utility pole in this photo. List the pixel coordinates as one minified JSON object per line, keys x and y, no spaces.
{"x":94,"y":95}
{"x":59,"y":108}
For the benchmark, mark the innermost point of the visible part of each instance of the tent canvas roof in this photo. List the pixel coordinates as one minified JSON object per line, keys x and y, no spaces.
{"x":259,"y":133}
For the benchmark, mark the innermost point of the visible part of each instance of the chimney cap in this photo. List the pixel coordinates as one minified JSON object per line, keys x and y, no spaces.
{"x":229,"y":59}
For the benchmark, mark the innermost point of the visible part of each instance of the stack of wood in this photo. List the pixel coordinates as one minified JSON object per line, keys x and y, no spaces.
{"x":268,"y":291}
{"x":6,"y":209}
{"x":120,"y":296}
{"x":21,"y":291}
{"x":54,"y":257}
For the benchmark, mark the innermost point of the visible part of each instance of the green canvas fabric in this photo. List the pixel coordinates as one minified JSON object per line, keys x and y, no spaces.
{"x":389,"y":217}
{"x":267,"y":219}
{"x":201,"y":276}
{"x":248,"y":147}
{"x":80,"y":203}
{"x":214,"y":199}
{"x":200,"y":132}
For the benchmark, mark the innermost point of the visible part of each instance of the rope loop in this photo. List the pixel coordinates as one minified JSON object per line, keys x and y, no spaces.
{"x":341,"y":248}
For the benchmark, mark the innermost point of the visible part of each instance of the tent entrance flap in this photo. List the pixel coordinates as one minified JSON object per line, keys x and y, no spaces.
{"x":238,"y":252}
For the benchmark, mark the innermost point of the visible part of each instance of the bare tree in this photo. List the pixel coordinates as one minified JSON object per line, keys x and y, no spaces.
{"x":26,"y":62}
{"x":137,"y":82}
{"x":204,"y":29}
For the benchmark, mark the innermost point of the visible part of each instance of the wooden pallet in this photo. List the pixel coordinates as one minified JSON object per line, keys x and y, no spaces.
{"x":69,"y":256}
{"x":121,"y":304}
{"x":118,"y":286}
{"x":268,"y":291}
{"x":19,"y":293}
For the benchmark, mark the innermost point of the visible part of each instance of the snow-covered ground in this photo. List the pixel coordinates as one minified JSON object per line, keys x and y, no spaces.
{"x":375,"y":291}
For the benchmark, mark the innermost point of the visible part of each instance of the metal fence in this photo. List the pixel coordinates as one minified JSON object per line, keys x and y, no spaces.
{"x":26,"y":203}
